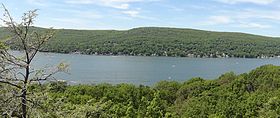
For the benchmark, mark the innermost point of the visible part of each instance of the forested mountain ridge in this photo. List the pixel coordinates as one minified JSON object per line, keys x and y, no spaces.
{"x":156,"y":41}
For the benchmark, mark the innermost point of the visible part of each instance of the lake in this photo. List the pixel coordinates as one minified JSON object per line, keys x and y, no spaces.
{"x":92,"y":69}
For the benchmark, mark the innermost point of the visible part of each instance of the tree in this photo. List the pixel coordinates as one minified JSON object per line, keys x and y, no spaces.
{"x":156,"y":108}
{"x":16,"y":70}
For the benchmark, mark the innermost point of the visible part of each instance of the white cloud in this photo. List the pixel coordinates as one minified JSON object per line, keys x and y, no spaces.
{"x":68,"y":20}
{"x":262,"y":14}
{"x":254,"y":25}
{"x":121,"y":6}
{"x":131,"y":13}
{"x":235,"y":21}
{"x":83,"y":14}
{"x":216,"y":20}
{"x":118,"y":4}
{"x":254,"y":14}
{"x":37,"y":2}
{"x":136,"y":14}
{"x":90,"y":15}
{"x":260,"y":2}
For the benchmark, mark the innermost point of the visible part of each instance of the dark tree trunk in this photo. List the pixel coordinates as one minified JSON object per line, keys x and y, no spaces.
{"x":24,"y":89}
{"x":23,"y":103}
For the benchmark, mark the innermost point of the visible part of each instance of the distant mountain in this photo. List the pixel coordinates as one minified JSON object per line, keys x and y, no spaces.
{"x":156,"y":41}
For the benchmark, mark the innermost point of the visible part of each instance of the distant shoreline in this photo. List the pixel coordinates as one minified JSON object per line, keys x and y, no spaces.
{"x":75,"y":53}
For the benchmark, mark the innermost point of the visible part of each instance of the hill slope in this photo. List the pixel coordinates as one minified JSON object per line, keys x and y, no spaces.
{"x":254,"y":94}
{"x":154,"y":41}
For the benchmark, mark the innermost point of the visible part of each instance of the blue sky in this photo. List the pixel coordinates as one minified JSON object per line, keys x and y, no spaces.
{"x":250,"y":16}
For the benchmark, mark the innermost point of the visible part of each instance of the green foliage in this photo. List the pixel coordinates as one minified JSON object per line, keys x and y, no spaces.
{"x":59,"y":86}
{"x":156,"y":107}
{"x":167,"y":89}
{"x":2,"y":45}
{"x":253,"y":94}
{"x":153,"y":41}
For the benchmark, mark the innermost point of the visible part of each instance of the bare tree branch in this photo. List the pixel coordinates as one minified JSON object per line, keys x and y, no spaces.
{"x":6,"y":82}
{"x":12,"y":67}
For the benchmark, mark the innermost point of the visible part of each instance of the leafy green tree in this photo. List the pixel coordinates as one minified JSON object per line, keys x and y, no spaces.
{"x":167,"y":90}
{"x":130,"y":111}
{"x":271,"y":108}
{"x":156,"y":108}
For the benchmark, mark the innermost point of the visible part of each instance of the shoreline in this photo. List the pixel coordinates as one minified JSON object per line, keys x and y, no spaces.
{"x":120,"y":55}
{"x":196,"y":57}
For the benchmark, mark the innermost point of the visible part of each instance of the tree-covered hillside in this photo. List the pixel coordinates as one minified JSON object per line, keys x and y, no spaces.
{"x":253,"y":94}
{"x":153,"y":41}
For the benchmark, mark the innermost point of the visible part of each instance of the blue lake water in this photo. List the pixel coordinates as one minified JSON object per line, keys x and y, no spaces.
{"x":92,"y":69}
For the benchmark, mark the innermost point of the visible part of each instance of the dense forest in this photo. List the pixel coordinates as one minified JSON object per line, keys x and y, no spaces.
{"x":153,"y":41}
{"x":253,"y":94}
